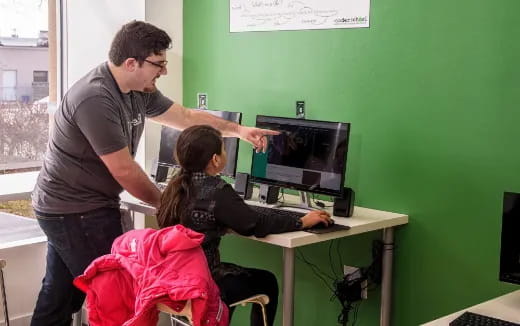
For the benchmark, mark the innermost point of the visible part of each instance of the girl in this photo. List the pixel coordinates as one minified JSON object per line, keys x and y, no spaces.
{"x":199,"y":199}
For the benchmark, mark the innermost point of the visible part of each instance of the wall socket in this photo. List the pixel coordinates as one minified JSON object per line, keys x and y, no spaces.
{"x":353,"y":273}
{"x":300,"y":109}
{"x":202,"y":101}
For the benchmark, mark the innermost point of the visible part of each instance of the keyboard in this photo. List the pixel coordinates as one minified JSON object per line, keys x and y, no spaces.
{"x":269,"y":211}
{"x":318,"y":228}
{"x":473,"y":319}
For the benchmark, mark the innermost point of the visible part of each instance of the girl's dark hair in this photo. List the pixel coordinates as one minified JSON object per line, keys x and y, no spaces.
{"x":138,"y":40}
{"x":195,"y":147}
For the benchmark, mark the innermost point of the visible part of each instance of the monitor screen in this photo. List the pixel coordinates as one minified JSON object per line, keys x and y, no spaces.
{"x":169,"y":138}
{"x":510,"y":245}
{"x":308,"y":155}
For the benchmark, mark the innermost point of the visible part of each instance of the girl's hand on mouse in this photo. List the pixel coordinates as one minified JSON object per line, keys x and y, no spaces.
{"x":315,"y":217}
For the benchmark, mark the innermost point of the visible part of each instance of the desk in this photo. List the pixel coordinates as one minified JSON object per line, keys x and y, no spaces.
{"x":363,"y":220}
{"x":506,"y":307}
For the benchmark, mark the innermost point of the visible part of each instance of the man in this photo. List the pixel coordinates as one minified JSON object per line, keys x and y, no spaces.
{"x":89,"y":160}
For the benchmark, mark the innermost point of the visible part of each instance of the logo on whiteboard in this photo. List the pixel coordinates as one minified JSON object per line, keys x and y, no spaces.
{"x":351,"y":20}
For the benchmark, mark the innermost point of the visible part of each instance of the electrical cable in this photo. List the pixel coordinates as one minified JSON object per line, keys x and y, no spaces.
{"x":331,"y":264}
{"x":315,"y":269}
{"x":349,"y":289}
{"x":318,"y":203}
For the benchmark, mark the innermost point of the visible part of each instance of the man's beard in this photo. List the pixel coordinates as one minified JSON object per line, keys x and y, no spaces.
{"x":151,"y":89}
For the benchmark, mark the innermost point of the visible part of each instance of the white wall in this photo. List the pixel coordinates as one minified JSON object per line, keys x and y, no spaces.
{"x":166,"y":15}
{"x":23,"y":276}
{"x":89,"y":28}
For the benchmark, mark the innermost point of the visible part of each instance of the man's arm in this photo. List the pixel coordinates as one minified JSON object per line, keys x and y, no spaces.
{"x":177,"y":116}
{"x":131,"y":177}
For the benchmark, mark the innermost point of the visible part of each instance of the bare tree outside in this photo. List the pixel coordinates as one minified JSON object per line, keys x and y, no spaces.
{"x":24,"y":129}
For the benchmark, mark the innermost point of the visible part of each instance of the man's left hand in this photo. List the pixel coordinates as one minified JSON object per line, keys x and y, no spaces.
{"x":256,"y":136}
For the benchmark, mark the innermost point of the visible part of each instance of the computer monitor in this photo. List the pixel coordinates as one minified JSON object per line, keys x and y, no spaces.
{"x":307,"y":155}
{"x":169,"y":138}
{"x":510,"y":246}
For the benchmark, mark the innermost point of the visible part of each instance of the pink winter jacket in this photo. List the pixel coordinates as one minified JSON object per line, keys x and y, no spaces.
{"x":150,"y":266}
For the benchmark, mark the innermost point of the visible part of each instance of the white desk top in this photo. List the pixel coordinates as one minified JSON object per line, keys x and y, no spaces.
{"x":18,"y":231}
{"x":17,"y":186}
{"x":506,"y":307}
{"x":363,"y":220}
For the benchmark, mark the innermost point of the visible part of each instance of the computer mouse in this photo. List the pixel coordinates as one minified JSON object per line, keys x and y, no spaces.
{"x":322,"y":225}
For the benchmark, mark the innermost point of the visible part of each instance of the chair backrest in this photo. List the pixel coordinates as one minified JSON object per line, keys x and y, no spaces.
{"x":185,"y":312}
{"x":260,"y":299}
{"x":3,"y":263}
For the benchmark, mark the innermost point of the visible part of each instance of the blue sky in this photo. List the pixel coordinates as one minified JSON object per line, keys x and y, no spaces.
{"x":27,"y":16}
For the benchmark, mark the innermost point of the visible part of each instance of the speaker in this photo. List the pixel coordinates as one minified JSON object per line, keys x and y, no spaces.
{"x":344,"y":206}
{"x":269,"y":194}
{"x":243,"y":186}
{"x":158,"y":173}
{"x":509,"y":245}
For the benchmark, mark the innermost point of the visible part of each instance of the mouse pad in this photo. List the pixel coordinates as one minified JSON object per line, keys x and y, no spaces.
{"x":333,"y":228}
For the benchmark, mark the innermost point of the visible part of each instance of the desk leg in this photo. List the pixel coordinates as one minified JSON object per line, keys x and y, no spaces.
{"x":386,"y":283}
{"x":288,"y":287}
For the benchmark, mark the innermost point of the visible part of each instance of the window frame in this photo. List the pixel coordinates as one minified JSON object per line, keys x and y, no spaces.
{"x":29,"y":170}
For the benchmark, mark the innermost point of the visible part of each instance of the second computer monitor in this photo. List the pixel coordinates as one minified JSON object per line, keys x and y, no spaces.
{"x":307,"y":155}
{"x":169,"y":138}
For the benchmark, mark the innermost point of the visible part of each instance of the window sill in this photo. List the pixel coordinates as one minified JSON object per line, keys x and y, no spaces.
{"x":17,"y":186}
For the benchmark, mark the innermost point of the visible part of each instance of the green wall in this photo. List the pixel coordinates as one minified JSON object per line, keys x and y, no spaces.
{"x":432,"y":90}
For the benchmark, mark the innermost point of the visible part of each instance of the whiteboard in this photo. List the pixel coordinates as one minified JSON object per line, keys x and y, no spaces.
{"x":276,"y":15}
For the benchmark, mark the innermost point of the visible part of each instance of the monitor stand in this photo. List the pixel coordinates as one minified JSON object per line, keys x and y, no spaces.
{"x":305,"y":202}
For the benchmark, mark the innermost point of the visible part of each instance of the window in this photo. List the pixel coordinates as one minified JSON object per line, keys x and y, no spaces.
{"x":9,"y":85}
{"x":25,"y":71}
{"x":40,"y":76}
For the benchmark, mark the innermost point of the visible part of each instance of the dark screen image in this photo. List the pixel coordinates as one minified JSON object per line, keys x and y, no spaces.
{"x":311,"y":178}
{"x":169,"y":138}
{"x":307,"y":155}
{"x":307,"y":148}
{"x":510,"y":242}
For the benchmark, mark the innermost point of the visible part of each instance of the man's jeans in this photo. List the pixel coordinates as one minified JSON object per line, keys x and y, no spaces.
{"x":74,"y":241}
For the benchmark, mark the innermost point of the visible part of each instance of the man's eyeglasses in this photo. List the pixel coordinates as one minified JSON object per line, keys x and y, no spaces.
{"x":160,"y":64}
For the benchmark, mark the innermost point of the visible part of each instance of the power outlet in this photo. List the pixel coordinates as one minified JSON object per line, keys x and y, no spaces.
{"x":352,"y":273}
{"x":202,"y":101}
{"x":300,"y":109}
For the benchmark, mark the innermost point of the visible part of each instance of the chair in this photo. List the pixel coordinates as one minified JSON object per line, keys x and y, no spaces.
{"x":2,"y":287}
{"x":260,"y":299}
{"x":183,"y":318}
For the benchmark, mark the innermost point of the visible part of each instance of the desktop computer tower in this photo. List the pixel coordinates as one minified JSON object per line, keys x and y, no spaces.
{"x":344,"y":206}
{"x":243,"y":186}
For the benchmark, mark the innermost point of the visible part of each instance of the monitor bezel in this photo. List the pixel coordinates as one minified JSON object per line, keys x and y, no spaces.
{"x":169,"y":165}
{"x":505,"y":276}
{"x":300,"y":187}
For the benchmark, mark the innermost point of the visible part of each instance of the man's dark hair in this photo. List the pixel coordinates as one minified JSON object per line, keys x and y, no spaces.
{"x":138,"y":40}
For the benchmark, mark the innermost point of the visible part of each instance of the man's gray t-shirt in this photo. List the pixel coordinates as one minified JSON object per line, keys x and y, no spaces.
{"x":95,"y":118}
